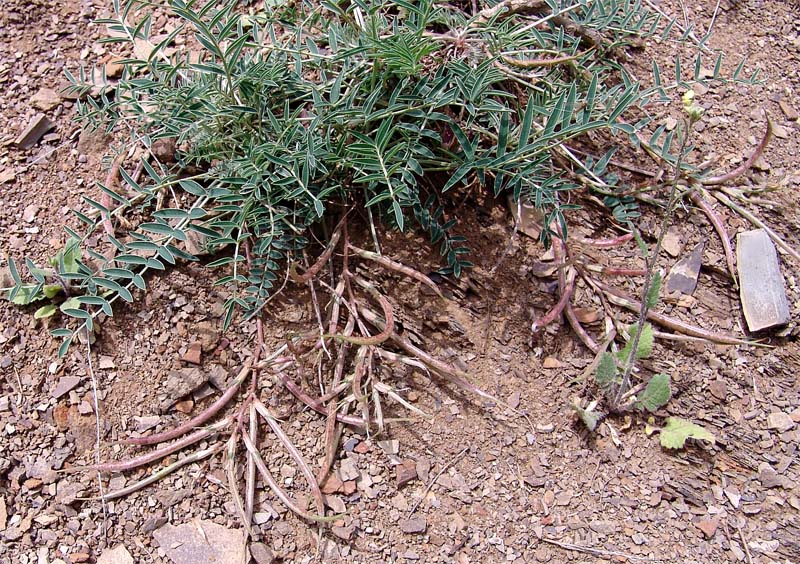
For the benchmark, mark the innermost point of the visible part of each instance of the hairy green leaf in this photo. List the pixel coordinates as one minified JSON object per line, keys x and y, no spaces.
{"x":646,"y":341}
{"x":676,"y":432}
{"x":606,"y":372}
{"x":654,"y":290}
{"x":51,"y":290}
{"x":45,"y":311}
{"x":656,"y":394}
{"x":590,"y":418}
{"x":25,"y":294}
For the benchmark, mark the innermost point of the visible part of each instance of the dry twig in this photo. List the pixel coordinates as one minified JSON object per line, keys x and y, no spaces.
{"x":719,"y":226}
{"x":622,"y":299}
{"x":752,"y":218}
{"x":598,"y":551}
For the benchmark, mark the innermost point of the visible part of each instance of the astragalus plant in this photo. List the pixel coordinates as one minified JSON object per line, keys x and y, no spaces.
{"x":261,"y":141}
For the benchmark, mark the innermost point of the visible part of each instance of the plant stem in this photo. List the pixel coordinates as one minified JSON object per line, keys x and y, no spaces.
{"x":650,"y":262}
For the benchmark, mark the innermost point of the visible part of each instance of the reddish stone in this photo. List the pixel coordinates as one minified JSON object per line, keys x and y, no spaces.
{"x":331,"y":485}
{"x":193,"y":354}
{"x":61,"y":416}
{"x":362,"y":448}
{"x":406,"y":471}
{"x":708,"y":526}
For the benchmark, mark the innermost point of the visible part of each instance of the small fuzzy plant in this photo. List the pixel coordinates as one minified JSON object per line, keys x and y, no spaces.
{"x":49,"y":283}
{"x":614,"y":369}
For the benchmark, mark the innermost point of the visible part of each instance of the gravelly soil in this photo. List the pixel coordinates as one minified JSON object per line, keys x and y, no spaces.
{"x":490,"y":486}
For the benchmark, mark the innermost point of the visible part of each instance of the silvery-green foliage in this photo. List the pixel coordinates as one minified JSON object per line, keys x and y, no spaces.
{"x":291,"y":114}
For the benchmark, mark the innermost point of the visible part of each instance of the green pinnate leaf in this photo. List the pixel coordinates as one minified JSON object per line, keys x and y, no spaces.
{"x":62,"y":350}
{"x":26,"y":294}
{"x":677,"y":431}
{"x":70,"y":304}
{"x":656,"y":394}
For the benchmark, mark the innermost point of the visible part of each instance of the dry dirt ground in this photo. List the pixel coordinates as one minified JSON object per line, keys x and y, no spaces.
{"x":484,"y":485}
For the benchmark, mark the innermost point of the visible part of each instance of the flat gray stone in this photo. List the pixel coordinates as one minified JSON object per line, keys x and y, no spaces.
{"x":201,"y":542}
{"x":349,"y":470}
{"x":779,"y":421}
{"x":35,"y":130}
{"x":68,"y":492}
{"x":261,"y":553}
{"x":768,"y":477}
{"x":65,"y":384}
{"x":414,"y":526}
{"x":683,"y":275}
{"x":117,"y":555}
{"x":180,"y":383}
{"x":762,"y":289}
{"x":529,"y":221}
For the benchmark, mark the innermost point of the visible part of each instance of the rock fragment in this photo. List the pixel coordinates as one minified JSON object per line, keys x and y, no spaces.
{"x":117,"y":555}
{"x":683,"y":275}
{"x":349,"y":470}
{"x":35,"y":130}
{"x":261,"y":553}
{"x":527,"y":218}
{"x":29,"y":213}
{"x":180,"y":383}
{"x":106,"y":363}
{"x":708,"y":526}
{"x":406,"y":471}
{"x":332,"y":484}
{"x":768,"y":477}
{"x":45,"y":99}
{"x":788,"y":110}
{"x":208,"y":336}
{"x":114,"y":67}
{"x":65,"y":384}
{"x":413,"y":526}
{"x":3,"y":513}
{"x":672,"y":242}
{"x":762,"y":289}
{"x":780,"y":421}
{"x":193,"y":354}
{"x":201,"y":542}
{"x":146,"y":422}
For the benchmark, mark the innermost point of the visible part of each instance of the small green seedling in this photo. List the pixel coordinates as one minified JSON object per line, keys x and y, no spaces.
{"x":610,"y":376}
{"x":49,"y":283}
